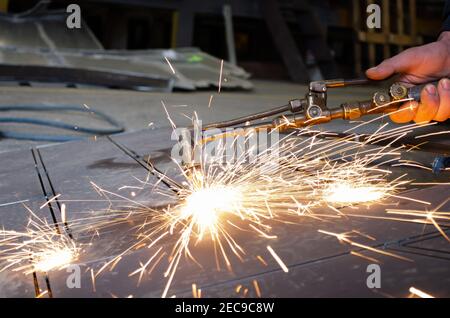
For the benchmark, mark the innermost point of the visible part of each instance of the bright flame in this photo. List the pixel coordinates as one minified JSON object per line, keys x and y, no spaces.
{"x":53,"y":259}
{"x":353,"y":193}
{"x":205,"y":205}
{"x":303,"y":171}
{"x":40,"y":248}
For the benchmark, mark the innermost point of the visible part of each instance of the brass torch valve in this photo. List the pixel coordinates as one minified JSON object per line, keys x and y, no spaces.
{"x":313,"y":109}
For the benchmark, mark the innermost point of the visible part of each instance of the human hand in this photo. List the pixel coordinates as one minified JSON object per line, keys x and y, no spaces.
{"x":420,"y":65}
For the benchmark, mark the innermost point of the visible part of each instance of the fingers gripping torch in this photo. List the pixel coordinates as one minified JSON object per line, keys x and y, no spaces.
{"x":313,"y":109}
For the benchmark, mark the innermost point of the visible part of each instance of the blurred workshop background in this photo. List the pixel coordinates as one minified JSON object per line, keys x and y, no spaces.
{"x":172,"y":50}
{"x":326,"y":34}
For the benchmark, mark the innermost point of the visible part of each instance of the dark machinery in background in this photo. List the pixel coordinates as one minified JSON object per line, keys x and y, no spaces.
{"x":290,"y":31}
{"x":37,"y":46}
{"x":49,"y":52}
{"x":308,"y":37}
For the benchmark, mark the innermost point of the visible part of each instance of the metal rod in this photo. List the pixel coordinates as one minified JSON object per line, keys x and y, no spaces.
{"x":244,"y":119}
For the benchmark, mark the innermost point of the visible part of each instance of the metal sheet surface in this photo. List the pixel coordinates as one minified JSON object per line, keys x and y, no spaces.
{"x":319,"y":265}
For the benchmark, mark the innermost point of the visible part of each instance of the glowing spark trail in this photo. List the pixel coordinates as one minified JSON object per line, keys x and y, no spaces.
{"x":425,"y":217}
{"x":63,"y":213}
{"x":170,"y":65}
{"x":433,"y":134}
{"x":259,"y":258}
{"x":344,"y":237}
{"x":220,"y":76}
{"x":278,"y":259}
{"x":350,"y":193}
{"x":370,"y":259}
{"x":252,"y":190}
{"x":240,"y":187}
{"x":12,"y":203}
{"x":257,"y":289}
{"x":39,"y":248}
{"x":42,"y":294}
{"x":210,"y":100}
{"x":305,"y":170}
{"x":419,"y":293}
{"x":50,"y":201}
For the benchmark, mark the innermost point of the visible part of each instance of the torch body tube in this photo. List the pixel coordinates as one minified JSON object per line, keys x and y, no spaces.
{"x":402,"y":91}
{"x":347,"y":111}
{"x":313,"y":110}
{"x":414,"y":91}
{"x":356,"y":110}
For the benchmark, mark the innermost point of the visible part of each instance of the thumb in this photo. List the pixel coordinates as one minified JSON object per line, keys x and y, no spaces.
{"x":397,"y":64}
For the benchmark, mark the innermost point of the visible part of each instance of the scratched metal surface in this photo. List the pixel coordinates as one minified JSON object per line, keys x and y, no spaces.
{"x":342,"y":276}
{"x":319,"y":265}
{"x":42,"y":39}
{"x":301,"y":247}
{"x":434,"y":245}
{"x":20,"y":185}
{"x":74,"y":167}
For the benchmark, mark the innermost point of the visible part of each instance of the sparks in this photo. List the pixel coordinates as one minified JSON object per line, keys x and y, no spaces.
{"x":257,"y":289}
{"x":351,"y":193}
{"x":47,"y":260}
{"x":304,"y":171}
{"x":204,"y":206}
{"x":170,"y":65}
{"x":345,"y":238}
{"x":40,"y":248}
{"x":278,"y":259}
{"x":432,"y":217}
{"x":419,"y":293}
{"x":220,"y":76}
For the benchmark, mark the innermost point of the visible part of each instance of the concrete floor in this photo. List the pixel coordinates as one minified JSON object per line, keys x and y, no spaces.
{"x":143,"y":110}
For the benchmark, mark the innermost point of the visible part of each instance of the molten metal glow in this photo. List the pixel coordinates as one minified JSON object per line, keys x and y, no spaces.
{"x":309,"y":175}
{"x":40,"y":248}
{"x":219,"y":199}
{"x":206,"y":205}
{"x":347,"y":193}
{"x":53,"y":259}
